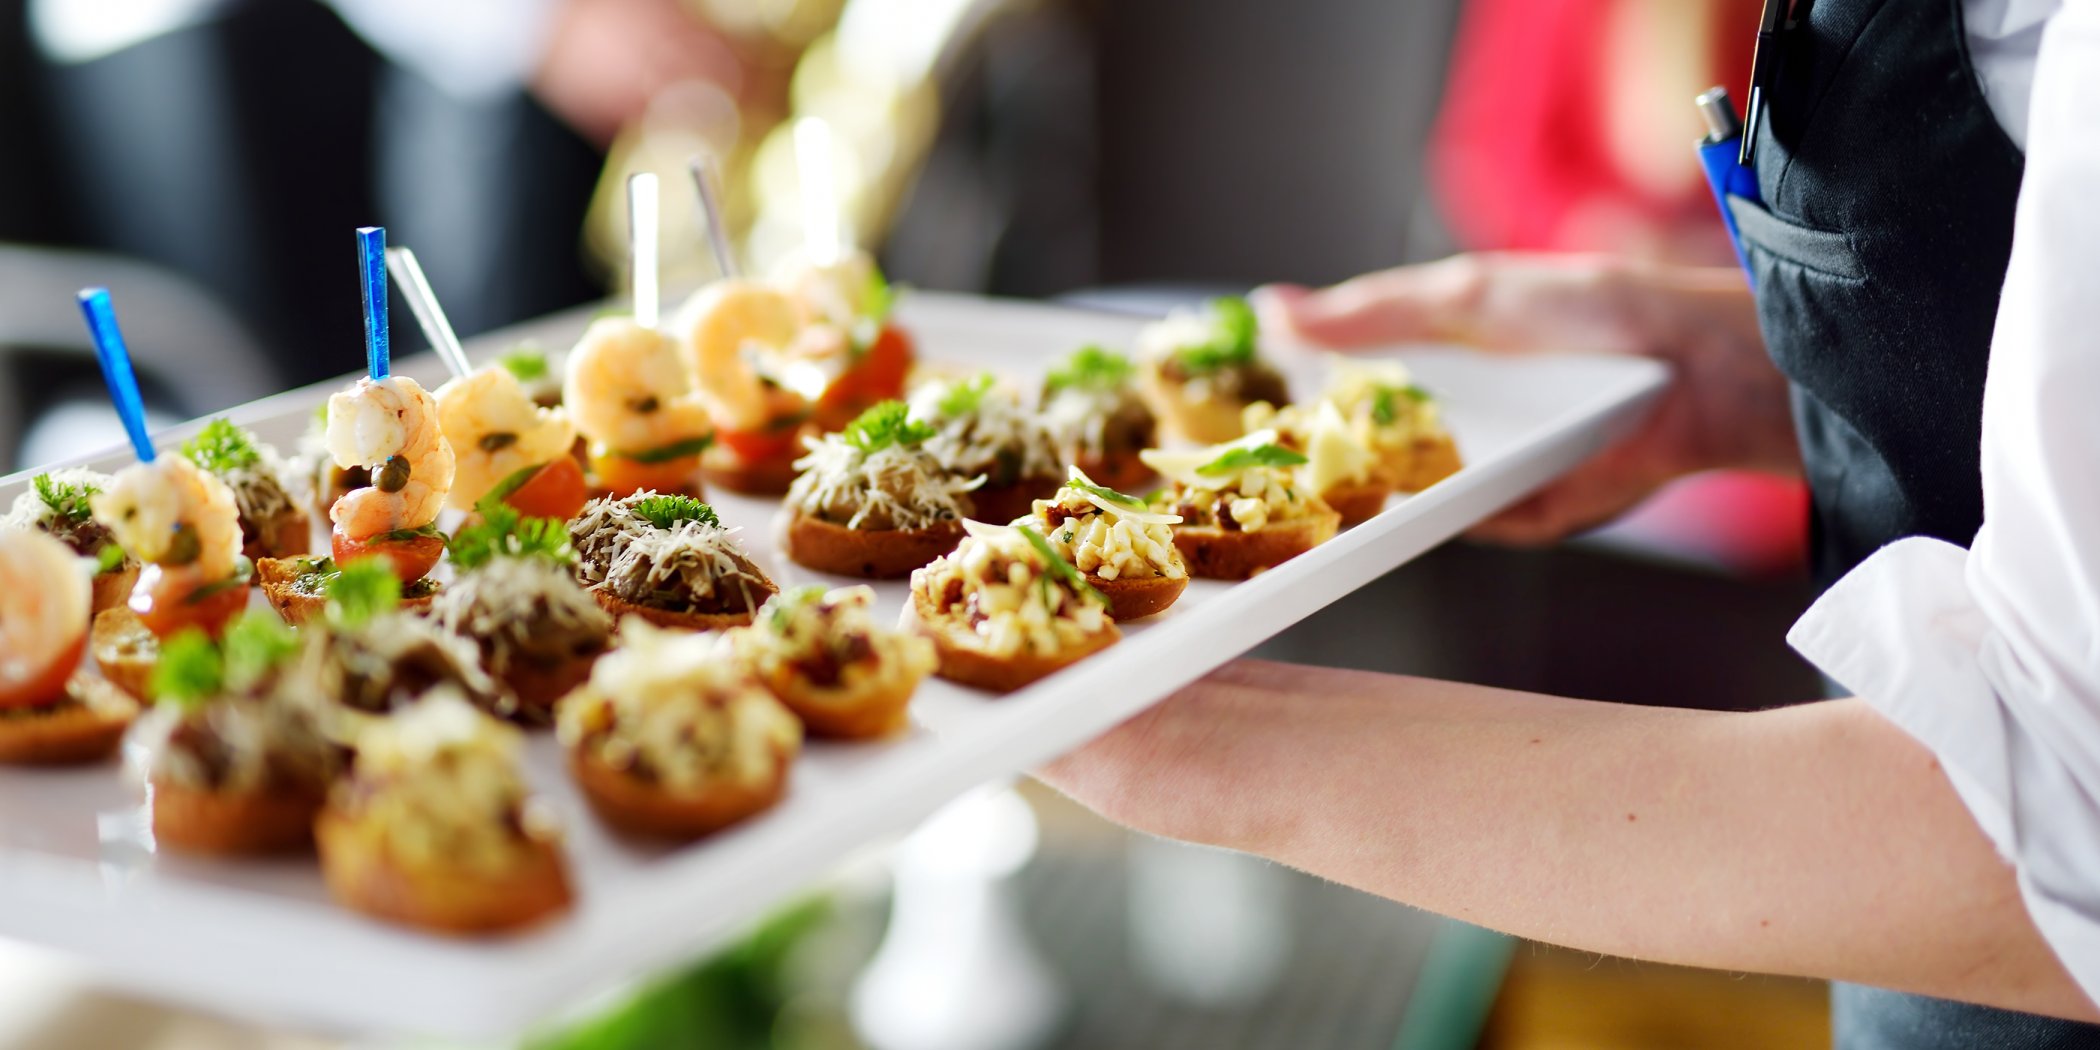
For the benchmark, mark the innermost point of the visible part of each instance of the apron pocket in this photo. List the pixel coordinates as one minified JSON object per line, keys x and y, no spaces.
{"x":1827,"y":252}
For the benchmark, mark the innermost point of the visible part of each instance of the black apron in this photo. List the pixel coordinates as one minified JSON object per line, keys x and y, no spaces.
{"x":1889,"y":189}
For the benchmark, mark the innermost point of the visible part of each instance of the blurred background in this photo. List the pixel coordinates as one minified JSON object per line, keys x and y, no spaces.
{"x":205,"y":159}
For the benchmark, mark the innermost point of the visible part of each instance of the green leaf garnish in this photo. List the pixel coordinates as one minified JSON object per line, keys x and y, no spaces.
{"x":1059,"y":567}
{"x":360,"y":591}
{"x":243,"y":571}
{"x":1232,"y":342}
{"x":189,"y":671}
{"x":222,"y":448}
{"x":669,"y":510}
{"x":1120,"y":499}
{"x":109,"y":559}
{"x":965,"y":396}
{"x":1238,"y":459}
{"x":1090,"y":368}
{"x":502,"y":532}
{"x":254,"y":645}
{"x":888,"y":423}
{"x":675,"y":450}
{"x":878,"y":298}
{"x":405,"y":535}
{"x":781,"y":607}
{"x":67,"y":500}
{"x":526,"y":362}
{"x":1385,"y":402}
{"x":513,"y":483}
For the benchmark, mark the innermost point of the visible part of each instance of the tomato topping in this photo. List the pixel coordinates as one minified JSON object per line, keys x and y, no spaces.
{"x":46,"y":684}
{"x":623,"y":475}
{"x":411,"y":558}
{"x":555,"y":491}
{"x":168,"y":602}
{"x":765,"y":445}
{"x":878,"y":375}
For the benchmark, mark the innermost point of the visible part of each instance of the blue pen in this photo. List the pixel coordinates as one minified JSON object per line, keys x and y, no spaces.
{"x":1720,"y":153}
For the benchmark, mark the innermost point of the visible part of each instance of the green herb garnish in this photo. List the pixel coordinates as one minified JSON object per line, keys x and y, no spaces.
{"x":222,"y":448}
{"x":888,"y":423}
{"x":675,"y":450}
{"x":405,"y":535}
{"x":67,"y":500}
{"x":1385,"y":402}
{"x":966,"y":396}
{"x":253,"y":646}
{"x":243,"y":571}
{"x":189,"y":671}
{"x":1091,"y":368}
{"x":1120,"y":499}
{"x":780,"y":608}
{"x":502,"y":532}
{"x":1059,"y":567}
{"x":109,"y":559}
{"x":878,"y":298}
{"x":527,"y":363}
{"x":669,"y":510}
{"x":1232,"y":342}
{"x":1238,"y":459}
{"x":360,"y":591}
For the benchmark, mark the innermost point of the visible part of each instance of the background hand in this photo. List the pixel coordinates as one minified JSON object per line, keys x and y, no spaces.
{"x":606,"y":59}
{"x":1726,"y":405}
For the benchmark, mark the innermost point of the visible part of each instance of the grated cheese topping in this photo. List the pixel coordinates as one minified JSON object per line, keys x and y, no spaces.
{"x":999,"y":438}
{"x":1101,"y":539}
{"x":830,"y":642}
{"x":669,"y":708}
{"x":1363,"y":391}
{"x":1335,"y":452}
{"x":995,"y":593}
{"x":691,"y":566}
{"x":528,"y":610}
{"x":894,"y":487}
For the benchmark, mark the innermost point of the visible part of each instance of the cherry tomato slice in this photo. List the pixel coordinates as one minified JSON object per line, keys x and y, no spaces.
{"x":46,"y":684}
{"x":878,"y":375}
{"x":556,"y":491}
{"x":622,"y":475}
{"x":763,"y":445}
{"x":411,"y":559}
{"x":168,"y":602}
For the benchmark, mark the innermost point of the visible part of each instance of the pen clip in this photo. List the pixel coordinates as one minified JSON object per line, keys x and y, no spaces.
{"x":1777,"y":17}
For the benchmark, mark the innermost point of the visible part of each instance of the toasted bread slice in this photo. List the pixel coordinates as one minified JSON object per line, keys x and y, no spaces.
{"x":1358,"y":501}
{"x":113,"y":588}
{"x":84,"y":727}
{"x":362,"y":873}
{"x":876,"y":554}
{"x":643,"y":808}
{"x":966,"y":664}
{"x":1432,"y":459}
{"x":124,"y":649}
{"x":1217,"y":554}
{"x":1007,"y":502}
{"x":684,"y":621}
{"x":279,"y":576}
{"x":232,"y":822}
{"x":770,"y":477}
{"x":1123,"y":472}
{"x":870,"y":711}
{"x":288,"y":535}
{"x":1136,"y":597}
{"x":1206,"y":422}
{"x":538,"y":688}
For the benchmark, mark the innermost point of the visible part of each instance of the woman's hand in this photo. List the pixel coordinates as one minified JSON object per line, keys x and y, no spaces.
{"x":1726,"y":406}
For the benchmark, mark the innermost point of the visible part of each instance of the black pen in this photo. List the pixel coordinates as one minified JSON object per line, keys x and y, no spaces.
{"x":1764,"y":65}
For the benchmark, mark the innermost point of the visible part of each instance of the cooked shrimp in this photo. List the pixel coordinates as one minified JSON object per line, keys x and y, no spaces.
{"x":495,"y":430}
{"x":833,"y":294}
{"x":390,"y":427}
{"x":734,"y":335}
{"x":628,"y":391}
{"x":172,"y":513}
{"x":44,"y":598}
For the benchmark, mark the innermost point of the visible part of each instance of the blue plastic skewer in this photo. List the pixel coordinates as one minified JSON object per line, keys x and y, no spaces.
{"x":371,"y":273}
{"x":116,"y":367}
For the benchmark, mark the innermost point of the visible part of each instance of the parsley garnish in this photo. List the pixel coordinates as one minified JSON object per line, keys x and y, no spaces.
{"x":1089,"y":368}
{"x":505,"y":533}
{"x":675,"y":450}
{"x":1232,"y":340}
{"x":253,"y":646}
{"x":888,"y":423}
{"x":1058,"y":566}
{"x":222,"y":448}
{"x":668,"y":511}
{"x":189,"y":671}
{"x":67,"y":500}
{"x":109,"y":559}
{"x":1239,"y":459}
{"x":525,"y":362}
{"x":964,"y":397}
{"x":361,"y":590}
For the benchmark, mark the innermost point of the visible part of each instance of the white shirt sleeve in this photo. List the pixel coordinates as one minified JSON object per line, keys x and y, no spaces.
{"x":1991,"y":656}
{"x":470,"y":48}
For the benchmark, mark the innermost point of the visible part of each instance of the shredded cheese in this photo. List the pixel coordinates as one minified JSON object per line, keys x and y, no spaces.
{"x":995,"y":592}
{"x":1335,"y":452}
{"x":1108,"y":541}
{"x":693,"y":565}
{"x":523,"y":610}
{"x":999,"y":438}
{"x":894,"y":487}
{"x":831,"y":643}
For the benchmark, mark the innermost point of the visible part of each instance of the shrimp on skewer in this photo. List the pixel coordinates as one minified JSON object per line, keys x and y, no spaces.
{"x":630,"y":395}
{"x":741,"y":341}
{"x":509,"y":446}
{"x":845,"y":315}
{"x":185,"y":524}
{"x":44,"y":599}
{"x":390,"y":427}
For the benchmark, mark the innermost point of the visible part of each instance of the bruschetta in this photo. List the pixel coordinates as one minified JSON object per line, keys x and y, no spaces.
{"x":1091,"y":403}
{"x":667,"y":559}
{"x":1202,"y":368}
{"x":298,"y":587}
{"x":51,"y":711}
{"x":57,"y":503}
{"x":1242,"y":508}
{"x":1398,"y":419}
{"x":982,"y":430}
{"x":823,"y":655}
{"x":1004,"y":610}
{"x":1340,"y":464}
{"x":273,"y":524}
{"x":1123,"y":547}
{"x":873,"y":502}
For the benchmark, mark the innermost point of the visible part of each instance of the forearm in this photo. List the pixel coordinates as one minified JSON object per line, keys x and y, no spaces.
{"x":1817,"y":840}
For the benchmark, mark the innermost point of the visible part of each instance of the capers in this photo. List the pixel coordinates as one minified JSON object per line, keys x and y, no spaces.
{"x":647,"y":404}
{"x":393,"y":474}
{"x":497,"y":440}
{"x":183,"y":547}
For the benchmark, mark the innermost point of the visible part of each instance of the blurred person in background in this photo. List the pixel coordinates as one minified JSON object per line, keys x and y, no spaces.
{"x":1938,"y":834}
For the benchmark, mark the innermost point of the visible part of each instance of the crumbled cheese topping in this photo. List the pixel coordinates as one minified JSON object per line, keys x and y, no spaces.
{"x":517,"y":607}
{"x":1358,"y":388}
{"x":263,"y":742}
{"x":391,"y":659}
{"x":894,"y":487}
{"x":1099,"y":539}
{"x":669,"y":708}
{"x":997,"y":592}
{"x":693,"y":565}
{"x":1335,"y":452}
{"x":999,"y":438}
{"x":831,"y":643}
{"x":439,"y":784}
{"x":1250,"y":501}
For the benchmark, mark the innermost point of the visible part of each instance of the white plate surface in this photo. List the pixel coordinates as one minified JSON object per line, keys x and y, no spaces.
{"x":261,"y":939}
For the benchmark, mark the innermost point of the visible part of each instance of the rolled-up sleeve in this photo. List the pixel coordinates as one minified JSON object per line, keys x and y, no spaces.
{"x":1991,"y":656}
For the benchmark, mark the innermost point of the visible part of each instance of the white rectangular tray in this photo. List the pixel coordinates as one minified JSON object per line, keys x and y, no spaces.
{"x":262,"y":939}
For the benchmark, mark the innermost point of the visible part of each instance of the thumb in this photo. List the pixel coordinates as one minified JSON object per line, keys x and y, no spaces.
{"x":1408,"y":304}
